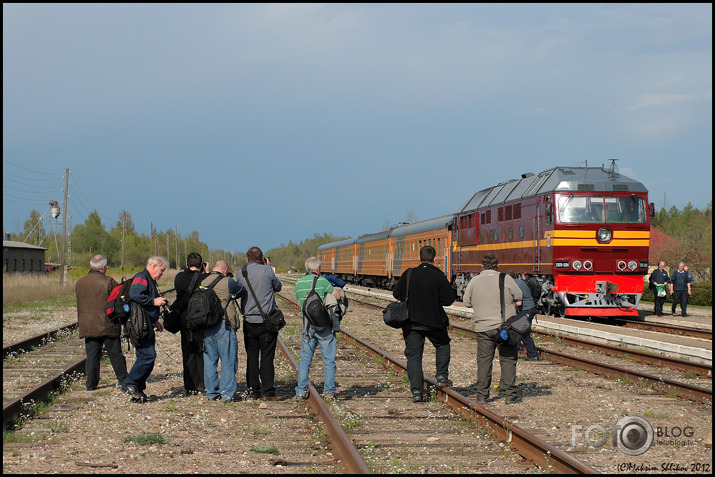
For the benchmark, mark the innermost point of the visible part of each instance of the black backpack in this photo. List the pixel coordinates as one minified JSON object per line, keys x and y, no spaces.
{"x":204,"y":309}
{"x":534,"y":288}
{"x":118,"y":308}
{"x":314,"y":309}
{"x":138,"y":327}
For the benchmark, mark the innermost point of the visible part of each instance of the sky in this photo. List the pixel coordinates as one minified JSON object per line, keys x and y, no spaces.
{"x":257,"y":124}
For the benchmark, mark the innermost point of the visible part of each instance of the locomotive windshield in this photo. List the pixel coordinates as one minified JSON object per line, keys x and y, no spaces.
{"x":601,"y":209}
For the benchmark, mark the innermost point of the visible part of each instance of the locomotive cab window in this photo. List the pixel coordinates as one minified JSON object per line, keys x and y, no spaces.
{"x":599,"y":209}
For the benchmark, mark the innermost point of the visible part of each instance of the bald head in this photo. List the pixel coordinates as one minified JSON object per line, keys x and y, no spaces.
{"x":220,"y":266}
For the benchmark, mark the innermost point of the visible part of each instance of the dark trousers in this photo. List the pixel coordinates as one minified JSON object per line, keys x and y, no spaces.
{"x":486,"y":347}
{"x":93,"y":346}
{"x":260,"y":350}
{"x":192,"y":356}
{"x":659,"y":301}
{"x":680,"y":296}
{"x":528,"y":341}
{"x":414,"y":349}
{"x":143,"y":366}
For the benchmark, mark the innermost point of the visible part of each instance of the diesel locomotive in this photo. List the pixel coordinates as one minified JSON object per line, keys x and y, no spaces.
{"x":582,"y":232}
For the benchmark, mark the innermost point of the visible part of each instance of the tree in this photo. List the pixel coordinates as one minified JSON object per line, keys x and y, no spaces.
{"x":91,"y":237}
{"x":34,"y":229}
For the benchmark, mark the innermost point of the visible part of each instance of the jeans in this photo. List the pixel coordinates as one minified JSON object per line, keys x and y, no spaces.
{"x":93,"y":347}
{"x":143,"y":366}
{"x":220,"y":344}
{"x":414,"y":349}
{"x":486,"y":347}
{"x":328,"y":349}
{"x":260,"y":352}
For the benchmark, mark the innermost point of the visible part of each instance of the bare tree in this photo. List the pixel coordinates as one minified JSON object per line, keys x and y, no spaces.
{"x":410,"y":216}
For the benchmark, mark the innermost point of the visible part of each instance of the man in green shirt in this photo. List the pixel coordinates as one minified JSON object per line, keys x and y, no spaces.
{"x":312,"y":338}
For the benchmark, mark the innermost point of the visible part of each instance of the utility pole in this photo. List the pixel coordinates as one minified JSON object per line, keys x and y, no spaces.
{"x":124,"y":226}
{"x":64,"y":271}
{"x":168,"y":255}
{"x":151,"y":241}
{"x":178,"y":263}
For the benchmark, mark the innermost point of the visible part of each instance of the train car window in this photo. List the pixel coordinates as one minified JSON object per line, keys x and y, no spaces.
{"x":511,"y":233}
{"x":517,"y":211}
{"x":489,"y":216}
{"x":507,"y":212}
{"x":482,"y":219}
{"x":521,"y":231}
{"x":500,"y":214}
{"x":496,"y":235}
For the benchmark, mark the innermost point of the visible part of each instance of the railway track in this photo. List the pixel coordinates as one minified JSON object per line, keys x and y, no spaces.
{"x":35,"y":368}
{"x":392,"y":431}
{"x":684,"y":390}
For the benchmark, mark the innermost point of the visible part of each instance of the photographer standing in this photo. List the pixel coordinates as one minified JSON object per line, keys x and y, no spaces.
{"x":191,"y":343}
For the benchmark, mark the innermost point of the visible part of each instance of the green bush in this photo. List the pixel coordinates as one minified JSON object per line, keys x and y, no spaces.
{"x":702,"y":294}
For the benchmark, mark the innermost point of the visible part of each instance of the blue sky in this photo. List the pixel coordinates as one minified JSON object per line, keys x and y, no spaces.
{"x":260,"y":124}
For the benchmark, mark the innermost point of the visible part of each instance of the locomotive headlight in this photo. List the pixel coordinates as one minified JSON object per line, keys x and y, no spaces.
{"x":604,"y":234}
{"x":576,"y":265}
{"x":632,"y":265}
{"x":587,"y":265}
{"x":621,"y":265}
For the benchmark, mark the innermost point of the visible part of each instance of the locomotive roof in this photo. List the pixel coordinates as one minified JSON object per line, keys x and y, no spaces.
{"x":551,"y":180}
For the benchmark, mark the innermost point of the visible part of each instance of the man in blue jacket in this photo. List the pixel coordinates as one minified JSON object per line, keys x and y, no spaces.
{"x":144,"y":291}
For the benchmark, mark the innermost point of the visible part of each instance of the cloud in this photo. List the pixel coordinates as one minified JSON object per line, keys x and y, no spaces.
{"x":663,"y":99}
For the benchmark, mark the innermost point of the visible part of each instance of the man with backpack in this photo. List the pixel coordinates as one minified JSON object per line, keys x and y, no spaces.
{"x":192,"y":354}
{"x":259,"y":337}
{"x":312,"y":336}
{"x":220,"y":340}
{"x":145,"y":292}
{"x":528,"y":305}
{"x":427,"y":291}
{"x":97,"y":330}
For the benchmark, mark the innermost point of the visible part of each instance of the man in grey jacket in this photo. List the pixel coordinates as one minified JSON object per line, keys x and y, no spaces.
{"x":482,"y":294}
{"x":259,"y":340}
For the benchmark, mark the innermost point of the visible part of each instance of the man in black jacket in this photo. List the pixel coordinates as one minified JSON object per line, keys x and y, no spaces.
{"x":191,"y":343}
{"x":429,"y":291}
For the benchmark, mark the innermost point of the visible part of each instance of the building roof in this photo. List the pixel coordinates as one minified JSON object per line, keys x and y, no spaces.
{"x":13,"y":244}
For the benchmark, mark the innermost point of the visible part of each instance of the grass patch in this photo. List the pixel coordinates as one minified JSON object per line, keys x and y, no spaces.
{"x":171,"y":407}
{"x":146,"y":439}
{"x":257,"y":431}
{"x":271,"y":449}
{"x":11,"y":436}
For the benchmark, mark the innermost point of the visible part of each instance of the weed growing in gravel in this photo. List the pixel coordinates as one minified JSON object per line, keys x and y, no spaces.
{"x":105,"y":392}
{"x":171,"y":407}
{"x":146,"y":439}
{"x":672,"y":393}
{"x":572,"y":368}
{"x":11,"y":436}
{"x":691,"y":374}
{"x":625,"y":381}
{"x":271,"y":449}
{"x":257,"y":431}
{"x":56,"y":426}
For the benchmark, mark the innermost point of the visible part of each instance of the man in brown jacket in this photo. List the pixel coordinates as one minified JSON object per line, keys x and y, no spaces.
{"x":92,"y":292}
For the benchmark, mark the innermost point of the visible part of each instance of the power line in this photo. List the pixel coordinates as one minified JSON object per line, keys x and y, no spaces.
{"x":29,"y":179}
{"x":30,"y":170}
{"x":23,"y":198}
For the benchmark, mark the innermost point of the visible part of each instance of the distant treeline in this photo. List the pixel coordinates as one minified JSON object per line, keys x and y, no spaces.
{"x":690,"y":227}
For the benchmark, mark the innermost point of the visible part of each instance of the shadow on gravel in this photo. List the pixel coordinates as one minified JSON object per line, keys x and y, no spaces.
{"x":360,"y":391}
{"x":530,"y":389}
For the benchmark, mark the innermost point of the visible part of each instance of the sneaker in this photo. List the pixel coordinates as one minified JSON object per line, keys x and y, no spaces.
{"x":416,"y":396}
{"x":215,"y":398}
{"x":301,"y":397}
{"x":515,"y":400}
{"x":444,"y":382}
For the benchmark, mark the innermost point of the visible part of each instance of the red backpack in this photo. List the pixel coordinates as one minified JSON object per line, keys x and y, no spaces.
{"x":118,"y":306}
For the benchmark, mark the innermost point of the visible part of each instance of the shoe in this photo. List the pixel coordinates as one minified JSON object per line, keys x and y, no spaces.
{"x":94,"y":389}
{"x":235,"y":398}
{"x":535,"y":358}
{"x":417,"y":396}
{"x":271,"y":398}
{"x":515,"y":400}
{"x":215,"y":398}
{"x":444,"y":382}
{"x":301,"y":397}
{"x":128,"y":389}
{"x":684,"y":314}
{"x":329,"y":397}
{"x":151,"y":398}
